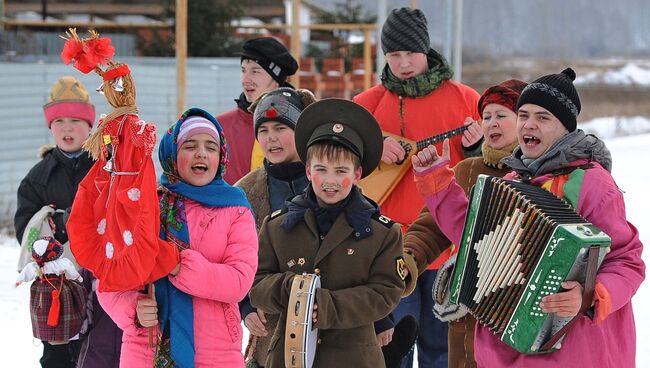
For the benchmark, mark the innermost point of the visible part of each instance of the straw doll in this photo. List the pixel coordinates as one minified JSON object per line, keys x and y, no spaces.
{"x":114,"y":222}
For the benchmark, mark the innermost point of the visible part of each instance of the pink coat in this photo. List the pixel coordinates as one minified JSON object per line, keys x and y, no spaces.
{"x":217,"y":272}
{"x":607,"y":343}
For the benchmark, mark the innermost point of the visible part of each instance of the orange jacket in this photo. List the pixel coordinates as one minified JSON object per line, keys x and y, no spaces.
{"x":444,"y":109}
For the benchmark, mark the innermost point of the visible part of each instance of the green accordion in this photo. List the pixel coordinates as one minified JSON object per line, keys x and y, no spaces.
{"x":520,"y":242}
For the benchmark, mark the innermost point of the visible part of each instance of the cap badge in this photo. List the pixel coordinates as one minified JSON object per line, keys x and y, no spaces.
{"x":286,"y":94}
{"x":301,"y":261}
{"x":337,"y":128}
{"x":271,"y":113}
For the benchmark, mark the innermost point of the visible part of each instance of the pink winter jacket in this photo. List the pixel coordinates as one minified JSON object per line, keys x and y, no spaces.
{"x":217,"y":271}
{"x":607,"y":343}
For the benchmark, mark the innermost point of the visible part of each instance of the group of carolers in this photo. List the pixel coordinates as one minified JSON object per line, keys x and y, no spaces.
{"x":295,"y":207}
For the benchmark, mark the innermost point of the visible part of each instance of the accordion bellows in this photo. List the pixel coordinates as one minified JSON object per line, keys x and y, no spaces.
{"x":520,"y":242}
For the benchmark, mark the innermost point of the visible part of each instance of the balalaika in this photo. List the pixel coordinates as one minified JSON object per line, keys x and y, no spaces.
{"x":381,"y":182}
{"x":520,"y":242}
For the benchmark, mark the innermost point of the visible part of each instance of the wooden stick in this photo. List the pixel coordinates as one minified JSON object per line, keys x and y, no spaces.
{"x":250,"y":348}
{"x":151,"y":294}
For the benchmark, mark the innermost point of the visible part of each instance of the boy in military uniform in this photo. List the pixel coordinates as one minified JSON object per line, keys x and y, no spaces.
{"x":333,"y":230}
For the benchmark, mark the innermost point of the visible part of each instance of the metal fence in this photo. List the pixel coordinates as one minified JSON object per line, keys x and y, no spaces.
{"x":212,"y":83}
{"x":23,"y":42}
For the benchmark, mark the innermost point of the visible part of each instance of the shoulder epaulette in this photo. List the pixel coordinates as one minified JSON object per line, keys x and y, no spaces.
{"x":277,"y":213}
{"x":386,"y":221}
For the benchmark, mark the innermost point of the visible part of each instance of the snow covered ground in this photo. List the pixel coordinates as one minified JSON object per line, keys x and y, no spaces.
{"x":631,"y":74}
{"x":626,"y":138}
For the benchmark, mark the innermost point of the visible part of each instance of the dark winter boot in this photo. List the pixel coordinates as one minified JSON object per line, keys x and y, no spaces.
{"x":404,"y":336}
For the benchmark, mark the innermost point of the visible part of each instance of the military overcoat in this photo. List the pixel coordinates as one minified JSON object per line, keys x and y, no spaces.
{"x":361,"y":282}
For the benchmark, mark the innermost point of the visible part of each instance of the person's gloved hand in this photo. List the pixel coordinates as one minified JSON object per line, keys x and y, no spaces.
{"x":406,"y":331}
{"x":59,"y":220}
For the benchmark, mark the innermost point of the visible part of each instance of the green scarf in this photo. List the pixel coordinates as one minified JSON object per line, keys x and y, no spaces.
{"x":423,"y":84}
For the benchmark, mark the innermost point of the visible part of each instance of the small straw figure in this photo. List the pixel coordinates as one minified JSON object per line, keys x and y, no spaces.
{"x":114,"y":223}
{"x":57,"y":297}
{"x":117,"y":86}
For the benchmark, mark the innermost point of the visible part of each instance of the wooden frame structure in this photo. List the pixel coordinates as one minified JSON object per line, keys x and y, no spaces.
{"x":181,"y":39}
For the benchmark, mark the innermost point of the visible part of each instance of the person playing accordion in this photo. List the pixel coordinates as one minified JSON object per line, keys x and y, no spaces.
{"x":554,"y":155}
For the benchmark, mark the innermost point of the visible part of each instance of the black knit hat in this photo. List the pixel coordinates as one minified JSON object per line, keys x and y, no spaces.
{"x":557,"y":94}
{"x":282,"y":105}
{"x":405,"y":30}
{"x":272,"y":56}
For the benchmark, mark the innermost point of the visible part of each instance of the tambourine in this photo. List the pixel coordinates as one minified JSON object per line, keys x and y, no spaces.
{"x":301,"y":337}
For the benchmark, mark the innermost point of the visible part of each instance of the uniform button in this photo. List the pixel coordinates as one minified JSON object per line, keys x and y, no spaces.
{"x":367,"y":229}
{"x":319,"y":341}
{"x":322,"y":237}
{"x":357,"y":234}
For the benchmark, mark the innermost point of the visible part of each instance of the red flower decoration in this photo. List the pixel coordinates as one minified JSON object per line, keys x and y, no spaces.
{"x":71,"y":50}
{"x":85,"y":63}
{"x":87,"y":54}
{"x":99,"y":50}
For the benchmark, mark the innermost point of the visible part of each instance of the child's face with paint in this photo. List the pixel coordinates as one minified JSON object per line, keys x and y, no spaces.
{"x":277,"y":142}
{"x":198,"y":159}
{"x":332,"y":180}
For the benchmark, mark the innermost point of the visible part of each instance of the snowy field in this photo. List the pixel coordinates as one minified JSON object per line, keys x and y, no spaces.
{"x":627,"y":139}
{"x":630,"y":74}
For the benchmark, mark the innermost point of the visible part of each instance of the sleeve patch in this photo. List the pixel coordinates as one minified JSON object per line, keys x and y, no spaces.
{"x":400,"y":268}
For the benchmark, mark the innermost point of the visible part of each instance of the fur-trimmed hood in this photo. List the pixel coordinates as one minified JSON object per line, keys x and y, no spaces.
{"x":45,"y":149}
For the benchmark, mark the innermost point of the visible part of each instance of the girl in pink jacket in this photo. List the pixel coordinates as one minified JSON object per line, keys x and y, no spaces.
{"x":194,"y":313}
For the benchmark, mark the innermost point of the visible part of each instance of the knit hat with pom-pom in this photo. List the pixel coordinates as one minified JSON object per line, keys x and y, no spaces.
{"x":557,"y":94}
